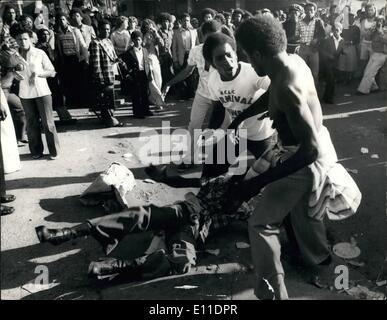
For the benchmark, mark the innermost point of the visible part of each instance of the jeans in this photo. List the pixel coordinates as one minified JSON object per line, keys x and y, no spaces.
{"x":174,"y":220}
{"x":39,"y":112}
{"x":2,"y":175}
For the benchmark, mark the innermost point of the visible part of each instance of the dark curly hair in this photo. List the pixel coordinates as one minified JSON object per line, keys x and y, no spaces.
{"x":214,"y":40}
{"x":210,"y":27}
{"x":264,"y":34}
{"x":18,"y":29}
{"x":206,"y":11}
{"x":164,"y":16}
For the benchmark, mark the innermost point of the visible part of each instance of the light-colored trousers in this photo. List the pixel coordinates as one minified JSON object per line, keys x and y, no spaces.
{"x":368,"y":82}
{"x":288,"y":195}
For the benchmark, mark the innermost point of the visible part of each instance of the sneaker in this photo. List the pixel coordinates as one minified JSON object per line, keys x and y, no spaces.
{"x":36,"y":156}
{"x":54,"y":157}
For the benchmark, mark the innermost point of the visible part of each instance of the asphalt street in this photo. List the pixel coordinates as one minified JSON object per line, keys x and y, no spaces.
{"x":48,"y":193}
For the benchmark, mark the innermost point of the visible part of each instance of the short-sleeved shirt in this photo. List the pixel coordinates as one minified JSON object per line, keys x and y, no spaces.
{"x":238,"y":94}
{"x":196,"y":59}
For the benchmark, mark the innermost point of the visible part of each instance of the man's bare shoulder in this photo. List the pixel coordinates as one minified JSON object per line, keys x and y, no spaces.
{"x":295,"y":83}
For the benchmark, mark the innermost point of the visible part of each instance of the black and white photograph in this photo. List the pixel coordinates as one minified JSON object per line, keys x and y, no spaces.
{"x":193,"y":150}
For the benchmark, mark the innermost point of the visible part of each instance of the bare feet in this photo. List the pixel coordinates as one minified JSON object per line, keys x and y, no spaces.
{"x":274,"y":289}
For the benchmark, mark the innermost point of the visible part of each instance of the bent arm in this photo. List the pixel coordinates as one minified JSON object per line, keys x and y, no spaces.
{"x":217,"y":115}
{"x":182,"y":75}
{"x":302,"y":126}
{"x":259,"y":106}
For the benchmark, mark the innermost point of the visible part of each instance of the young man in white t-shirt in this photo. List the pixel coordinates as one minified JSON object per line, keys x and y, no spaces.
{"x":202,"y":102}
{"x":234,"y":88}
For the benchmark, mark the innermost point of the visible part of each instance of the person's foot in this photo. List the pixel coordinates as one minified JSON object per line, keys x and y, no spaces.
{"x":149,"y":114}
{"x":359,"y":93}
{"x":157,"y":174}
{"x":36,"y":156}
{"x":113,"y":122}
{"x":6,"y":210}
{"x":7,"y":198}
{"x":54,"y":157}
{"x":55,"y":236}
{"x":184,"y":167}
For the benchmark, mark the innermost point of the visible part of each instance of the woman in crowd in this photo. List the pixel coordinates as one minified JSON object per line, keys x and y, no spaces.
{"x":9,"y":19}
{"x":121,"y":37}
{"x":151,"y":42}
{"x":9,"y":60}
{"x":377,"y":60}
{"x":348,"y":61}
{"x":366,"y":26}
{"x":165,"y":53}
{"x":35,"y":95}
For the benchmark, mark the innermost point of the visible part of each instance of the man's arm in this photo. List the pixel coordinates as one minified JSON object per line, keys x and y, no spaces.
{"x":182,"y":75}
{"x":259,"y":106}
{"x":302,"y":126}
{"x":217,"y":115}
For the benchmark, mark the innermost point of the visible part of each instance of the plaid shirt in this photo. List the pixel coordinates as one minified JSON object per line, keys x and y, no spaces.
{"x":102,"y":59}
{"x":306,"y":31}
{"x":213,"y":207}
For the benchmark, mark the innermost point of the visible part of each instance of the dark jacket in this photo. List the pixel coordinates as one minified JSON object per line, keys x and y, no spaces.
{"x":132,"y":65}
{"x":328,"y":52}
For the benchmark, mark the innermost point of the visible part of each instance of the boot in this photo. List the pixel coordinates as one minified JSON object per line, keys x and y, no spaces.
{"x":108,"y":267}
{"x":55,"y":236}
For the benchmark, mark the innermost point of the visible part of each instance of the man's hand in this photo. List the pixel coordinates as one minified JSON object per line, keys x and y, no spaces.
{"x":3,"y":113}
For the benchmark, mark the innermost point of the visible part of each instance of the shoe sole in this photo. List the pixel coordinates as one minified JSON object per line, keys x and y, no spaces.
{"x":39,"y":233}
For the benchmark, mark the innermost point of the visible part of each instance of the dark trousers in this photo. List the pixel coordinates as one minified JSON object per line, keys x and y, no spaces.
{"x":39,"y":113}
{"x":139,"y":93}
{"x":2,"y":175}
{"x":166,"y":67}
{"x":221,"y":161}
{"x":329,"y":75}
{"x":174,"y":220}
{"x":17,"y":113}
{"x":71,"y":77}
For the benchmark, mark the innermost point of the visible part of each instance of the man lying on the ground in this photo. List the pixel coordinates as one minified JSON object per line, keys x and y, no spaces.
{"x":186,"y":224}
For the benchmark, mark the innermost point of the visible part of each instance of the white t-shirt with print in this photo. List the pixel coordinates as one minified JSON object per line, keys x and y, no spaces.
{"x":196,"y":59}
{"x":238,"y":94}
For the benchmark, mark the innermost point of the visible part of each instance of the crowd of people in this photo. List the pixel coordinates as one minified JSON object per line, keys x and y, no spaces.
{"x":228,"y":62}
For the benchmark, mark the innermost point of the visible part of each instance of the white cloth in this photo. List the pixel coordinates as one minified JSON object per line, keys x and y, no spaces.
{"x":37,"y":61}
{"x":196,"y":59}
{"x":334,"y":193}
{"x":140,"y":57}
{"x":155,"y":95}
{"x":9,"y":147}
{"x":238,"y":94}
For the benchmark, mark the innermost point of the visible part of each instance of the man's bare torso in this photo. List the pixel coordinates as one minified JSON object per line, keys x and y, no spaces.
{"x":298,"y":76}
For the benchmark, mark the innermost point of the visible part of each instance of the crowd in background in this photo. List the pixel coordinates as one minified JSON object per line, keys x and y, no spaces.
{"x":82,"y":52}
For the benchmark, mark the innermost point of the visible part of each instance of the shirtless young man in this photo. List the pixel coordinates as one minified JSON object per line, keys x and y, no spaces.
{"x":296,"y":112}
